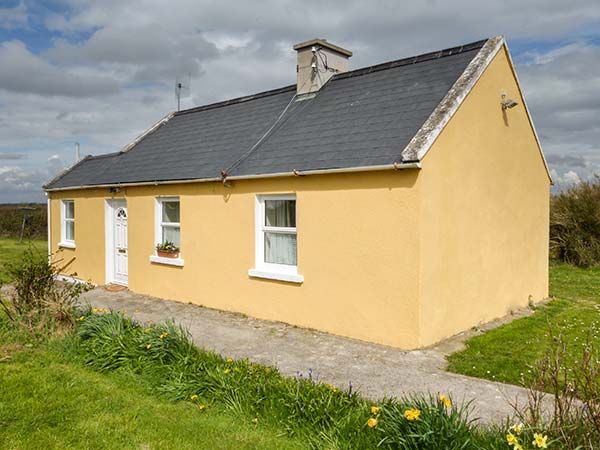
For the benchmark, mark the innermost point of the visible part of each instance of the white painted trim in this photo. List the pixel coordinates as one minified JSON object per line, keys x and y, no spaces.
{"x":395,"y":166}
{"x":292,"y":278}
{"x":167,"y":261}
{"x":422,"y":141}
{"x":537,"y":139}
{"x":64,"y":242}
{"x":262,"y":267}
{"x":49,"y":226}
{"x":70,"y":279}
{"x":158,"y":223}
{"x":109,"y":239}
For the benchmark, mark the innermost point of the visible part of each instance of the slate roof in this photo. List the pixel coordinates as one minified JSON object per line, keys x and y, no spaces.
{"x":365,"y":117}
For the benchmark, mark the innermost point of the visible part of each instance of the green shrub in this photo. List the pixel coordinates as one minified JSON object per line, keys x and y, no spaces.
{"x":37,"y":301}
{"x":326,"y":417}
{"x":575,"y":224}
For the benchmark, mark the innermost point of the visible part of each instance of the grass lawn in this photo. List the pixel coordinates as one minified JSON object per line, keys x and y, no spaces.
{"x":507,"y":353}
{"x":12,"y":249}
{"x":47,"y":402}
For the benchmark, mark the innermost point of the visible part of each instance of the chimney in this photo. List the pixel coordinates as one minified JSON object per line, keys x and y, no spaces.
{"x":318,"y":61}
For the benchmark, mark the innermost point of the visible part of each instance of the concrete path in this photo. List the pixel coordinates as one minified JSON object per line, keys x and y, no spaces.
{"x":375,"y":370}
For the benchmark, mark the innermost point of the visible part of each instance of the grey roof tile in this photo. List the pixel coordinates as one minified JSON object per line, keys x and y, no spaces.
{"x":360,"y":118}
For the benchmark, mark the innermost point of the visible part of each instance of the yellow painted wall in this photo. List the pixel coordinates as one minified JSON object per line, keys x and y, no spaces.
{"x":357,"y":250}
{"x":404,"y":258}
{"x":484,"y":214}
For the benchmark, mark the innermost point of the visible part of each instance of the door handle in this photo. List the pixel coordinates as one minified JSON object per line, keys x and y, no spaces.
{"x":122,"y":250}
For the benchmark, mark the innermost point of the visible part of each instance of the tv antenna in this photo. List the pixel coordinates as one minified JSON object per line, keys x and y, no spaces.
{"x":182,"y":88}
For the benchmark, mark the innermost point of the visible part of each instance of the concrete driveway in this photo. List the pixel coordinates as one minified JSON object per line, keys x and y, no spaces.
{"x":375,"y":370}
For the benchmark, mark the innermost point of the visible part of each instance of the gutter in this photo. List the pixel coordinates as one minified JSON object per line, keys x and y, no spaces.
{"x":225,"y":178}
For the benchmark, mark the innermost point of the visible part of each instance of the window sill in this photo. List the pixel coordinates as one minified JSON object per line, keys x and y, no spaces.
{"x":66,"y":244}
{"x":289,"y":277}
{"x":166,"y":261}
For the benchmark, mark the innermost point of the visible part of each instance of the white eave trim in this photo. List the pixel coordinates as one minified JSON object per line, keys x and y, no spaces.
{"x":394,"y":166}
{"x":421,"y":142}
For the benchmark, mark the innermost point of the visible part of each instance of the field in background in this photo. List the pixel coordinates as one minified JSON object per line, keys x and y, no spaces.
{"x":11,"y":251}
{"x":11,"y":221}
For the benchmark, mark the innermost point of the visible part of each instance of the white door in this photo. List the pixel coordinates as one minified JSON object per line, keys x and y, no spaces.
{"x":120,"y":243}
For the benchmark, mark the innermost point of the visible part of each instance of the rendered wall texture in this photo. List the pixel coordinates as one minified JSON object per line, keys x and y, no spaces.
{"x":357,"y":250}
{"x":484,"y":213}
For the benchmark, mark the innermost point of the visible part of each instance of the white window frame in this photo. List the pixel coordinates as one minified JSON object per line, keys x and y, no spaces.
{"x":262,"y":269}
{"x":64,"y":242}
{"x":158,"y":229}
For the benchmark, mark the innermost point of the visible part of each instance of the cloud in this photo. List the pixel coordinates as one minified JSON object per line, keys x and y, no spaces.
{"x":564,"y":181}
{"x":109,"y":68}
{"x":24,"y":72}
{"x":5,"y":156}
{"x":11,"y":18}
{"x":18,"y":183}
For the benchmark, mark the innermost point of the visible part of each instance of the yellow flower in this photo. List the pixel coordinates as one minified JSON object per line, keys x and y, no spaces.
{"x":194,"y":397}
{"x":539,"y":440}
{"x":412,"y":414}
{"x":445,"y":400}
{"x":163,"y":335}
{"x":229,"y":360}
{"x":375,"y":410}
{"x":372,"y":422}
{"x":226,"y":371}
{"x":81,"y":318}
{"x":255,"y":420}
{"x":201,"y":407}
{"x":511,"y":439}
{"x":517,"y":428}
{"x":149,"y":345}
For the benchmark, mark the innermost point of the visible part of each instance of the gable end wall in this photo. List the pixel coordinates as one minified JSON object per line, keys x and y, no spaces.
{"x":484,"y":212}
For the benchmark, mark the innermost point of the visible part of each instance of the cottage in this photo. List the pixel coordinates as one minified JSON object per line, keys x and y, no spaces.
{"x":400,"y":203}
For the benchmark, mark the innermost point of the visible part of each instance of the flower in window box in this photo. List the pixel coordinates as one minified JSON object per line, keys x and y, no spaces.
{"x":167,"y":250}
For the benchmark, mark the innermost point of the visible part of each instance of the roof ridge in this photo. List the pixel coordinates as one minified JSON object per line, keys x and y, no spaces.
{"x":412,"y":59}
{"x":352,"y":73}
{"x":236,"y":100}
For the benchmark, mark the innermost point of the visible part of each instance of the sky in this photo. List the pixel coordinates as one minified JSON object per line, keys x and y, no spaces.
{"x":101,"y":72}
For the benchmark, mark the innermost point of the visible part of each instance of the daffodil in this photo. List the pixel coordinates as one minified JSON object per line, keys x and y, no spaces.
{"x":194,"y":397}
{"x":229,"y":360}
{"x":517,"y":428}
{"x":81,"y":318}
{"x":163,"y":335}
{"x":511,"y":439}
{"x":201,"y":407}
{"x":540,"y":440}
{"x":226,"y":371}
{"x":148,"y":346}
{"x":372,"y":422}
{"x":375,"y":410}
{"x":445,"y":400}
{"x":412,"y":414}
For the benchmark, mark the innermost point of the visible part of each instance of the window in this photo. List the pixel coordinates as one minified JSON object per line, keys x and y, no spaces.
{"x":276,"y":238}
{"x":168,"y":221}
{"x":67,"y":228}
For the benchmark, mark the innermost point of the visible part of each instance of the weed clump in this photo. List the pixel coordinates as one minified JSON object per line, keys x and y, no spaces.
{"x":37,"y":301}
